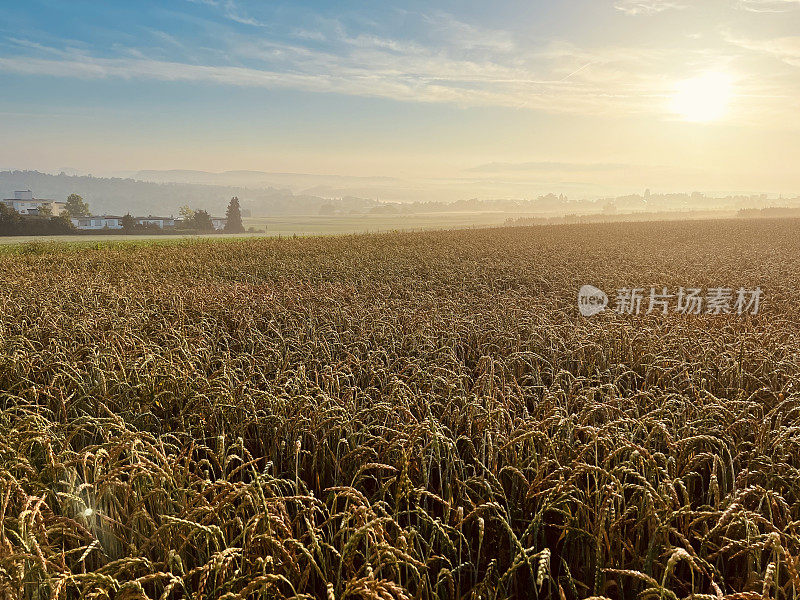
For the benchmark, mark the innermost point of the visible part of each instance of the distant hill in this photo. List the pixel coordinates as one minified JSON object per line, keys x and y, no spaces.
{"x":118,"y":196}
{"x":770,"y":212}
{"x":312,"y":184}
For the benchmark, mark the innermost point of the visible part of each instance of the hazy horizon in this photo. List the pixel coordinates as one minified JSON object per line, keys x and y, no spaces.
{"x":447,"y":100}
{"x":381,"y":189}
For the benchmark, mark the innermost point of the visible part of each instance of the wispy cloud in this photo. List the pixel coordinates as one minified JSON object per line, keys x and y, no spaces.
{"x":786,"y":49}
{"x":232,"y":11}
{"x":452,"y":62}
{"x":769,"y":6}
{"x":646,"y":7}
{"x":558,"y":79}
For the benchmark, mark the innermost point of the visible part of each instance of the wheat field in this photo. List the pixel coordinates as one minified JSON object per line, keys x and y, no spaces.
{"x":400,"y":415}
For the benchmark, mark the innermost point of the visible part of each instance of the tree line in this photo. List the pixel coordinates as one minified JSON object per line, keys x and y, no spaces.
{"x":13,"y":223}
{"x":200,"y":221}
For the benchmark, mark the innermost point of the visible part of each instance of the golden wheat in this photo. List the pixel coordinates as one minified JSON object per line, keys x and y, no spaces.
{"x":400,"y":416}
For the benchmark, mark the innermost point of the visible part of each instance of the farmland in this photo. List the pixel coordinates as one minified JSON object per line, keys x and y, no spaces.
{"x":400,"y":415}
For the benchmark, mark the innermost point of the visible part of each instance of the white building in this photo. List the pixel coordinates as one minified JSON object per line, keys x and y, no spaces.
{"x":25,"y":204}
{"x":97,"y":222}
{"x":161,"y":222}
{"x":217,"y":222}
{"x":114,"y":222}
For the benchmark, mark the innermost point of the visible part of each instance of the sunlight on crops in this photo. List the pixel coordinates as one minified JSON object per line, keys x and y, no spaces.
{"x":420,"y":415}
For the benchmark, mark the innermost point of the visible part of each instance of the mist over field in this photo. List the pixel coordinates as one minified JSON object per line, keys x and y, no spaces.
{"x":157,"y":193}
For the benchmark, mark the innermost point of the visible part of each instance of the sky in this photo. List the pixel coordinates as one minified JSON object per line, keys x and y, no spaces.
{"x":589,"y":95}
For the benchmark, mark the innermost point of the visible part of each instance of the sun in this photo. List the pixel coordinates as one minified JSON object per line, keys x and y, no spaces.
{"x":704,"y":98}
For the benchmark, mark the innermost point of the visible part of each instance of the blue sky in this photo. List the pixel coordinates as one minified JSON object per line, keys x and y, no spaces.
{"x":412,"y":89}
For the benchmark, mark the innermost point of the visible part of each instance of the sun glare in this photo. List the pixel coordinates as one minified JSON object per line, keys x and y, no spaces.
{"x":704,"y":98}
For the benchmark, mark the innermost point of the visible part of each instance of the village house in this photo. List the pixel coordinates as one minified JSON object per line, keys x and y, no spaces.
{"x":25,"y":204}
{"x":93,"y":222}
{"x":97,"y":222}
{"x":115,"y":222}
{"x":161,"y":222}
{"x":217,"y":222}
